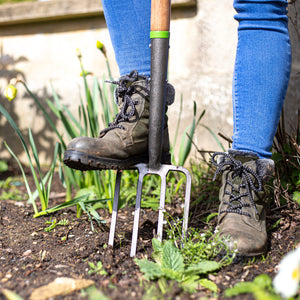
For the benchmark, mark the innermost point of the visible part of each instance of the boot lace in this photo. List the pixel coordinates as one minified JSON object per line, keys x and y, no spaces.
{"x":250,"y":181}
{"x":124,"y":90}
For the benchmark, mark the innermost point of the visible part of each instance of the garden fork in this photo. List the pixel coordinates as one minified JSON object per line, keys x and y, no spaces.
{"x":160,"y":26}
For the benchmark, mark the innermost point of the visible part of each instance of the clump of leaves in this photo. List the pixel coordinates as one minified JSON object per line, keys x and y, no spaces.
{"x":98,"y":268}
{"x":10,"y":189}
{"x":260,"y":287}
{"x":169,"y":264}
{"x":53,"y":223}
{"x":198,"y":244}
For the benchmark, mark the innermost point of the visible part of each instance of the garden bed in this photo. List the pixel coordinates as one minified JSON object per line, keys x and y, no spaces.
{"x":32,"y":257}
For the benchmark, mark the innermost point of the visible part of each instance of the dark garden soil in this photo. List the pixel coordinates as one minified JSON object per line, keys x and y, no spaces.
{"x":31,"y":258}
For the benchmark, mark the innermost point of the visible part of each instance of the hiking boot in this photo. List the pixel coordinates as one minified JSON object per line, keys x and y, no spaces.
{"x":125,"y":141}
{"x":242,"y":215}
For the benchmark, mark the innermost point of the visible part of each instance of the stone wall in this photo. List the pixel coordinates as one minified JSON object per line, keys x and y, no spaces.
{"x":39,"y":41}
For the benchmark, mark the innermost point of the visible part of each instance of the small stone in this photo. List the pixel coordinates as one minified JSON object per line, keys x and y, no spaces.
{"x":26,"y":253}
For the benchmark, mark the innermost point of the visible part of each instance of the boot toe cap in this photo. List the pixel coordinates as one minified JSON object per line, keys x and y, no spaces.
{"x":247,"y":244}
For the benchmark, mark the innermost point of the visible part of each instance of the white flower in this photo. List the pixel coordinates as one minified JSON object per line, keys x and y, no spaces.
{"x":287,"y":279}
{"x":216,"y":230}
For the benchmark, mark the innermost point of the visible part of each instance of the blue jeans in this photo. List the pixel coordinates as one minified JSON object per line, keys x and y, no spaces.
{"x":262,"y":66}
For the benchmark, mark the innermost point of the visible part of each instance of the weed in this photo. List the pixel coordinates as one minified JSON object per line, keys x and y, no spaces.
{"x":260,"y":287}
{"x":169,"y":264}
{"x":199,"y":244}
{"x":10,"y":189}
{"x":98,"y":268}
{"x":53,"y":223}
{"x":92,"y":293}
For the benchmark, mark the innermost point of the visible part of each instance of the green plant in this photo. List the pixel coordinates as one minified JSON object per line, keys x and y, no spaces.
{"x":53,"y":223}
{"x":3,"y":166}
{"x":10,"y":189}
{"x":169,"y":263}
{"x":96,"y":185}
{"x":260,"y":287}
{"x":42,"y":183}
{"x":94,"y":108}
{"x":98,"y":268}
{"x":92,"y":293}
{"x":199,"y":245}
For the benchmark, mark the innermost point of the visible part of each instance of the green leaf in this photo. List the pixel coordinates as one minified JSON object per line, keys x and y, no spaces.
{"x":263,"y":281}
{"x":190,"y":283}
{"x":70,"y":129}
{"x":150,"y":269}
{"x":157,"y":245}
{"x":3,"y":166}
{"x":208,"y":284}
{"x":210,"y":217}
{"x":202,"y":267}
{"x":240,"y":288}
{"x":296,"y":197}
{"x":214,"y":136}
{"x":172,"y":258}
{"x":10,"y":295}
{"x":261,"y":294}
{"x":186,"y":141}
{"x":171,"y":274}
{"x":89,"y":192}
{"x":158,"y":251}
{"x":150,"y":203}
{"x":31,"y":199}
{"x":73,"y":202}
{"x":53,"y":108}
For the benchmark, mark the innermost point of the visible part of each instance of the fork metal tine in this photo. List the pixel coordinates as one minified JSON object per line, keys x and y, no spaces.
{"x":137,"y":210}
{"x":115,"y":209}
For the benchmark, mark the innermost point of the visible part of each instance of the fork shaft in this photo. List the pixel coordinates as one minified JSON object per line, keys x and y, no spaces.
{"x":160,"y":24}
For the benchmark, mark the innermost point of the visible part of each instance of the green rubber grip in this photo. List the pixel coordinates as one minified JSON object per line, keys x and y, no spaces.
{"x":159,"y":34}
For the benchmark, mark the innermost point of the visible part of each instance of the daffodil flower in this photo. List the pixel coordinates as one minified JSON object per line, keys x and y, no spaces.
{"x":10,"y":92}
{"x":287,"y":279}
{"x":101,"y":47}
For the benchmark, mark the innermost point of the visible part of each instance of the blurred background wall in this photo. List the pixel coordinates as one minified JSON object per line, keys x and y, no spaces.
{"x":38,"y":44}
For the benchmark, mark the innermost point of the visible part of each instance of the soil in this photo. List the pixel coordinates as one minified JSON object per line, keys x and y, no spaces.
{"x":31,"y":257}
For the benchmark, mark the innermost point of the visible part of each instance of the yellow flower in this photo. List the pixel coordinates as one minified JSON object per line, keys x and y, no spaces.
{"x":287,"y":279}
{"x":10,"y":92}
{"x":101,"y":47}
{"x":85,"y":73}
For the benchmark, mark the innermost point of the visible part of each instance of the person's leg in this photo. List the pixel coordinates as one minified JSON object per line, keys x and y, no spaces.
{"x":128,"y":22}
{"x":261,"y":76}
{"x":125,"y":141}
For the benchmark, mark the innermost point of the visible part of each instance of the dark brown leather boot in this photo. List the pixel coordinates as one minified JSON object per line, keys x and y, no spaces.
{"x":125,"y":141}
{"x":242,"y":216}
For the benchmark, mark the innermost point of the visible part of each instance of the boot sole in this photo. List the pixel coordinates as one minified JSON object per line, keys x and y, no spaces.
{"x":84,"y":162}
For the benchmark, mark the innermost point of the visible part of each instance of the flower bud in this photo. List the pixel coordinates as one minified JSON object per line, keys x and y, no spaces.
{"x":10,"y":92}
{"x":101,"y":47}
{"x":78,"y":53}
{"x":85,"y":73}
